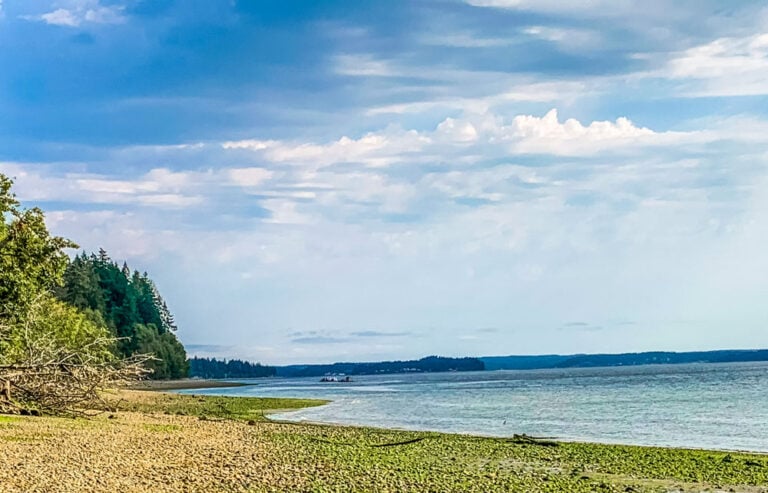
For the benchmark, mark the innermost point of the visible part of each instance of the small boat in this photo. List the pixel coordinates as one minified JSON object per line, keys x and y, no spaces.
{"x":335,"y":379}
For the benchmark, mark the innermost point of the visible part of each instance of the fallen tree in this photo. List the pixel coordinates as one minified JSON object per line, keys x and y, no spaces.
{"x":54,"y":360}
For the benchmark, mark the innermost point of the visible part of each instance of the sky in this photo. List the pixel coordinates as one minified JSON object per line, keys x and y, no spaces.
{"x":313,"y":182}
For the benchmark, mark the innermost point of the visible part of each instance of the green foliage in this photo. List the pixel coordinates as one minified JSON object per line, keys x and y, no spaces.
{"x":172,"y":358}
{"x":32,"y":264}
{"x":57,"y":325}
{"x":96,"y":291}
{"x":131,"y":306}
{"x":32,"y":261}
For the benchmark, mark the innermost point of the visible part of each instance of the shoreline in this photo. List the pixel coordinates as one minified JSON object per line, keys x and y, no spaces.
{"x":271,"y":416}
{"x":169,"y":442}
{"x":274,"y":417}
{"x":185,"y":384}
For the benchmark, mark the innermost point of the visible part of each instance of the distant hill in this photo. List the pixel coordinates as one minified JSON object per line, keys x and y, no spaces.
{"x":428,"y":364}
{"x":212,"y":368}
{"x":523,"y":362}
{"x":624,"y":359}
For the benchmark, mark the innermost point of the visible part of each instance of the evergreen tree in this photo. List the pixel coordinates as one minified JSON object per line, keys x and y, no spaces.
{"x":234,"y":368}
{"x":131,"y":306}
{"x":33,"y":266}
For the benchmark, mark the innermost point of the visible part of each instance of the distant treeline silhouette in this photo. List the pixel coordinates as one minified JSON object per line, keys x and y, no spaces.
{"x":233,"y":368}
{"x":625,"y":359}
{"x":428,"y":364}
{"x":214,"y":368}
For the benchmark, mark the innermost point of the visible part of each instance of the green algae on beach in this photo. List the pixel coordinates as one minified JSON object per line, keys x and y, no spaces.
{"x":240,"y":408}
{"x":338,"y":458}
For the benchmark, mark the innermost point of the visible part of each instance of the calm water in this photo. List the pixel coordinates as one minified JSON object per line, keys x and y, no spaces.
{"x":722,"y":406}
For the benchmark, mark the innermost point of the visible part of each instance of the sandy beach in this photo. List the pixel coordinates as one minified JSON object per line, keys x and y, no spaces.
{"x":171,"y":443}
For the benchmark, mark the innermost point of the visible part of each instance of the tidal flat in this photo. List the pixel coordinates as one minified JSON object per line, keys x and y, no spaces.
{"x":167,"y":442}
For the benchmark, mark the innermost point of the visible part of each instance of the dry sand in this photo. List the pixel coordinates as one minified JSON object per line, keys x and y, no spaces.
{"x":140,"y":453}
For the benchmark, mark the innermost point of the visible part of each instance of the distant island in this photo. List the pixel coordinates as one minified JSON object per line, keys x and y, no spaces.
{"x":624,"y":359}
{"x":213,"y":368}
{"x":428,"y":364}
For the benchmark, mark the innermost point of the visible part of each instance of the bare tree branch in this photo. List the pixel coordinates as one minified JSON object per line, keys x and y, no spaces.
{"x":50,"y":377}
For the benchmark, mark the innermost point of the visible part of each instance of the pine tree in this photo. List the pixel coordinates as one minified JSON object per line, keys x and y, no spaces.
{"x":131,"y":306}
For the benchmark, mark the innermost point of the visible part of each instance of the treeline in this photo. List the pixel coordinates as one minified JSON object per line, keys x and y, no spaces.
{"x":234,"y":368}
{"x":130,"y":306}
{"x":664,"y":358}
{"x":428,"y":364}
{"x":623,"y":359}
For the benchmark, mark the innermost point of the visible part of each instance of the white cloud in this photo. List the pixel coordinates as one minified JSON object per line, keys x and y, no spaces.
{"x":169,"y":200}
{"x":552,"y":5}
{"x":75,"y":13}
{"x":374,"y":149}
{"x":61,"y":17}
{"x":724,"y":67}
{"x":484,"y":133}
{"x":159,"y":187}
{"x":358,"y":192}
{"x":548,"y":135}
{"x":494,"y":185}
{"x":457,"y":131}
{"x":250,"y":144}
{"x":567,"y":39}
{"x":363,"y":66}
{"x":465,"y":40}
{"x":284,"y":211}
{"x":512,"y":92}
{"x":249,"y":177}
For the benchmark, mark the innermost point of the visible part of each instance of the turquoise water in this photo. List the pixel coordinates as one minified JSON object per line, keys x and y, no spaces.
{"x":723,"y":406}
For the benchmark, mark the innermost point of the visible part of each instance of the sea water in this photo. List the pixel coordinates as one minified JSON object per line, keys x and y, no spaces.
{"x":714,"y":406}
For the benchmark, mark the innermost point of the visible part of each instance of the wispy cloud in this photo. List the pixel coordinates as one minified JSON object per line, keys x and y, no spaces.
{"x":364,"y":65}
{"x":567,"y":38}
{"x":723,"y":67}
{"x":581,"y":326}
{"x":465,"y":40}
{"x":159,"y":187}
{"x":544,"y":5}
{"x":75,"y":13}
{"x":318,"y":340}
{"x":376,"y":333}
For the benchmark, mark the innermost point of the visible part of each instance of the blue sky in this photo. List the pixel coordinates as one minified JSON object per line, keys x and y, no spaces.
{"x":325,"y":181}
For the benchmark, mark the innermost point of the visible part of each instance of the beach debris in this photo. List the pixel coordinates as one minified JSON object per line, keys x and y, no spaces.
{"x":531,"y":440}
{"x":379,"y":445}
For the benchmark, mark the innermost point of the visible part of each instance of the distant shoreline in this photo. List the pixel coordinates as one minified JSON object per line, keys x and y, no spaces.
{"x":439,"y":364}
{"x":185,"y":384}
